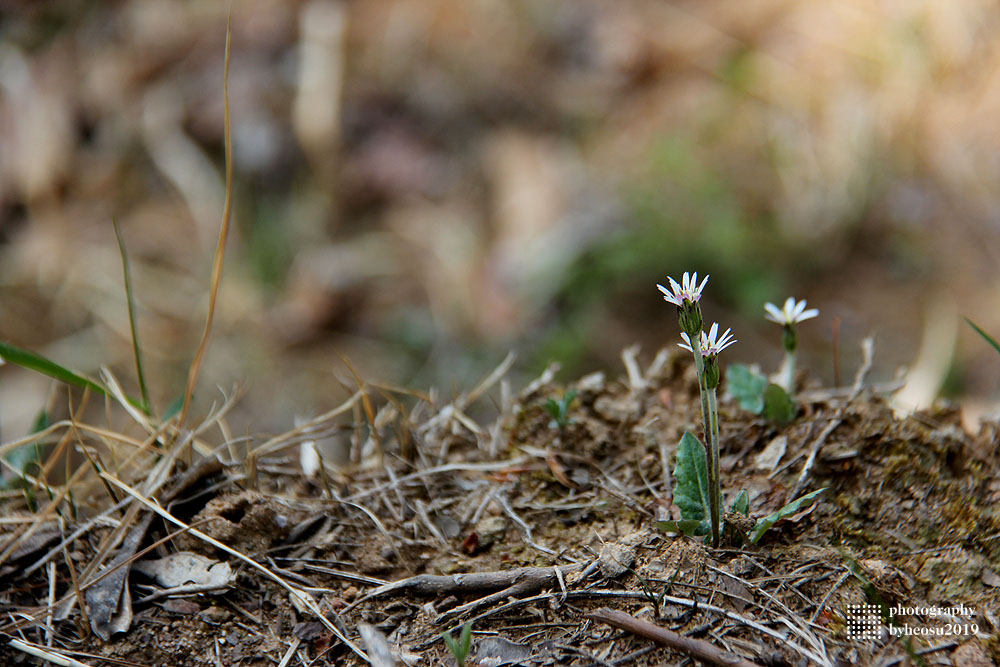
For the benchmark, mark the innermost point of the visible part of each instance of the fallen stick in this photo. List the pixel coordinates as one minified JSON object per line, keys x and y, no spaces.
{"x":471,"y":582}
{"x":696,"y":648}
{"x":525,"y":579}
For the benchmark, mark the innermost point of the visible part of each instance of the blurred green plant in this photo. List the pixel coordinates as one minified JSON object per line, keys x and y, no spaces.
{"x":755,"y":394}
{"x":747,"y":386}
{"x":24,"y":457}
{"x":460,"y":648}
{"x":676,"y":196}
{"x":558,"y":409}
{"x":791,"y":314}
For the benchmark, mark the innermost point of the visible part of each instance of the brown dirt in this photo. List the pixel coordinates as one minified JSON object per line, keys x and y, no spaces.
{"x":909,"y":518}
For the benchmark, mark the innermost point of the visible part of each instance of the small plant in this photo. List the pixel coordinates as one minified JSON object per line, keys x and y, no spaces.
{"x":791,"y":314}
{"x":752,"y":389}
{"x":691,"y":494}
{"x":559,"y":410}
{"x":698,"y":491}
{"x":459,"y":649}
{"x":706,"y":349}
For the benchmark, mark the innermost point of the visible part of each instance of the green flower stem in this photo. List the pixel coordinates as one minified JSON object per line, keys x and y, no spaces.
{"x":699,"y":365}
{"x":710,"y":416}
{"x":714,"y":478}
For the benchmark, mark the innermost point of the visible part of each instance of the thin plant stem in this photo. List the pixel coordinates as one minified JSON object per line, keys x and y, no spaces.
{"x":789,"y":372}
{"x":699,"y":365}
{"x":710,"y":416}
{"x":714,"y":481}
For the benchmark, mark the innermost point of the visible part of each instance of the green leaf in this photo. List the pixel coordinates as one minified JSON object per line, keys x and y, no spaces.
{"x":742,"y":503}
{"x":465,"y":641}
{"x":34,"y":362}
{"x":778,"y":405}
{"x":174,"y":408}
{"x":459,"y":649}
{"x":136,"y":349}
{"x":765,"y":524}
{"x":28,"y":454}
{"x":747,"y":387}
{"x":691,"y":528}
{"x":691,"y":492}
{"x":989,"y":339}
{"x":559,"y":410}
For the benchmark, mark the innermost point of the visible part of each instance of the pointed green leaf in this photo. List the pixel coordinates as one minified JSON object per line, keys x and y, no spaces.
{"x":145,"y":405}
{"x":691,"y":476}
{"x":451,"y":644}
{"x":989,"y":339}
{"x":459,"y":649}
{"x":34,"y":362}
{"x":778,"y":405}
{"x":465,"y":642}
{"x":174,"y":408}
{"x":747,"y":387}
{"x":765,"y":524}
{"x":742,"y":503}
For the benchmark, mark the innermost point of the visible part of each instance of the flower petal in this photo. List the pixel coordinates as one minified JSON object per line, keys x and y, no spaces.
{"x":674,"y":286}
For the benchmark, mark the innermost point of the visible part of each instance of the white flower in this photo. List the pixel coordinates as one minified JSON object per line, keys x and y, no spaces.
{"x":688,"y":290}
{"x":792,"y":313}
{"x":709,"y":345}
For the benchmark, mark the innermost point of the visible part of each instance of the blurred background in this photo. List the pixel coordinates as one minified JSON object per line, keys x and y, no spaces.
{"x":423,"y":186}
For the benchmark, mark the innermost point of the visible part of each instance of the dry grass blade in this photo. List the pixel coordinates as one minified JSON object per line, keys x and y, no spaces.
{"x":311,"y":429}
{"x":40,"y":518}
{"x":297,"y":595}
{"x":46,"y":654}
{"x":492,"y":378}
{"x":220,"y":249}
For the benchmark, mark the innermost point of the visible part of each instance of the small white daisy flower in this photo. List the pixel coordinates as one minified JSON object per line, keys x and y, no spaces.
{"x":710,"y":347}
{"x":793,"y":312}
{"x":688,"y":290}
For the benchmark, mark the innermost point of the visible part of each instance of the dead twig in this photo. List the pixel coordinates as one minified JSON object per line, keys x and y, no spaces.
{"x":524,"y":579}
{"x":439,"y":470}
{"x":220,"y":249}
{"x":526,"y":533}
{"x":697,"y":648}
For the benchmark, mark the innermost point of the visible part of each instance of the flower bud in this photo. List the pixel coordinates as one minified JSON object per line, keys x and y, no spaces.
{"x":689,"y":316}
{"x":711,"y":372}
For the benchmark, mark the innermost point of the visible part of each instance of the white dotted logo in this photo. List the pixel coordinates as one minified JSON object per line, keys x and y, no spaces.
{"x":864,"y":621}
